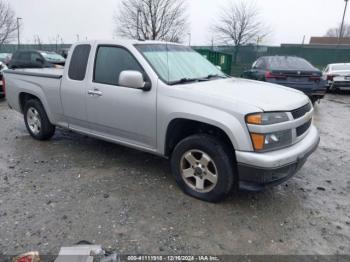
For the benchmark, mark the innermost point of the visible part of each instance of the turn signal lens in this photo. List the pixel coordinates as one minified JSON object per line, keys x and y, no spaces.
{"x":258,"y":141}
{"x":255,"y":119}
{"x":269,"y":118}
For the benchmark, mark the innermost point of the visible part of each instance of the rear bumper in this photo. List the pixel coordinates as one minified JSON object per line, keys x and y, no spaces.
{"x":318,"y":92}
{"x":342,"y":85}
{"x":260,"y":170}
{"x":318,"y":89}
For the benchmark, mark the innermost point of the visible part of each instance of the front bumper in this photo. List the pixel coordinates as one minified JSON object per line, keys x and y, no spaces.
{"x":258,"y":170}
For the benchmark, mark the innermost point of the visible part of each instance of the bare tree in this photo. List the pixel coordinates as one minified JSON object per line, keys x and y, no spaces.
{"x":8,"y":24}
{"x":334,"y":32}
{"x":239,"y":24}
{"x":37,"y":41}
{"x":152,"y":20}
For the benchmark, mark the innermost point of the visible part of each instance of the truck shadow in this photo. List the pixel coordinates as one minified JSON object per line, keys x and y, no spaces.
{"x":86,"y":153}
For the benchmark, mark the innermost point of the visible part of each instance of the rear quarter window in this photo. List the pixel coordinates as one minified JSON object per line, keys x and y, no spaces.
{"x":78,"y":62}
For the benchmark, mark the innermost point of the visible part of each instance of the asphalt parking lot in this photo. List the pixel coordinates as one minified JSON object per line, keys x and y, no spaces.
{"x":74,"y":188}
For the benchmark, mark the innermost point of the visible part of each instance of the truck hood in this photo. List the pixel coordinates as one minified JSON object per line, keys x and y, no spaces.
{"x":265,"y":96}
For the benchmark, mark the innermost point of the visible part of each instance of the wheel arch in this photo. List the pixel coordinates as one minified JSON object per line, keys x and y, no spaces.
{"x":25,"y":96}
{"x":180,"y":128}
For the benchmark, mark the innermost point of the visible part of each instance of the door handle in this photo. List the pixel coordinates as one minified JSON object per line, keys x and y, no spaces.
{"x":95,"y":92}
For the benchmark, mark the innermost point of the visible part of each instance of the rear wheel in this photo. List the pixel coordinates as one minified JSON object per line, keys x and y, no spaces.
{"x":36,"y":120}
{"x":203,"y":168}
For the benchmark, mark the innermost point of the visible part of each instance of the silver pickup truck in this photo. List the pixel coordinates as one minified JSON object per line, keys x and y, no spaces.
{"x":219,"y":132}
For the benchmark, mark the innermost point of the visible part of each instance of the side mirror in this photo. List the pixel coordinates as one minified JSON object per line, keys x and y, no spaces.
{"x":133,"y":79}
{"x":219,"y":67}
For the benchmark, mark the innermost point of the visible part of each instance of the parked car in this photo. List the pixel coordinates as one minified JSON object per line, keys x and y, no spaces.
{"x":5,"y":58}
{"x":219,"y":132}
{"x":337,"y":76}
{"x":36,"y":59}
{"x":2,"y":68}
{"x":290,"y":71}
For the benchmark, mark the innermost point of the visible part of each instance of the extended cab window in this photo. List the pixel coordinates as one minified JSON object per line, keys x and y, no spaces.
{"x":110,"y":62}
{"x":78,"y":62}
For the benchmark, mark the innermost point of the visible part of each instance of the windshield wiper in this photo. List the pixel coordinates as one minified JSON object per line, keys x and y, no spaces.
{"x":189,"y":80}
{"x":185,"y":80}
{"x":215,"y":76}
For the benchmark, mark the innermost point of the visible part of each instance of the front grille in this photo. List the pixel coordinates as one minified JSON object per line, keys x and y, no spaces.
{"x":300,"y":112}
{"x":303,"y":128}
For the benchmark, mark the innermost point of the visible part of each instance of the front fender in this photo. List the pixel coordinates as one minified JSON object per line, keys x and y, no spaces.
{"x":233,"y":127}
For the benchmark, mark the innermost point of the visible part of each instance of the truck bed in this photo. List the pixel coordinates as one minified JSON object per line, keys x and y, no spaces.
{"x":43,"y":83}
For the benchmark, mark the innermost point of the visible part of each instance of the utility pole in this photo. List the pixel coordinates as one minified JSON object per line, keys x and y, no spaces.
{"x":138,"y":23}
{"x":18,"y":37}
{"x":342,"y":23}
{"x":189,"y":39}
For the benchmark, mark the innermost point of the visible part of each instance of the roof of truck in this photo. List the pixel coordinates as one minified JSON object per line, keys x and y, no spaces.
{"x":122,"y":41}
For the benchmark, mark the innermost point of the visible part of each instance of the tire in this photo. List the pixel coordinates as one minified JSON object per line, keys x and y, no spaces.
{"x":313,"y":99}
{"x":197,"y":149}
{"x":36,"y":120}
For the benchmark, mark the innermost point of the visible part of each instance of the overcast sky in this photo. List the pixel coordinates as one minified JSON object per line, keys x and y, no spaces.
{"x":289,"y":20}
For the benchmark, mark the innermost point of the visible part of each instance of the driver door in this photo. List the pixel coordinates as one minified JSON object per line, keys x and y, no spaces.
{"x":120,"y":113}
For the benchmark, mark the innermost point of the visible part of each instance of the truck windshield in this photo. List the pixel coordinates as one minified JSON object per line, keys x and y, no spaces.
{"x":177,"y":64}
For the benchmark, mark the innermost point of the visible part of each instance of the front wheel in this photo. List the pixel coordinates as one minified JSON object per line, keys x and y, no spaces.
{"x":36,"y":120}
{"x":203,"y":168}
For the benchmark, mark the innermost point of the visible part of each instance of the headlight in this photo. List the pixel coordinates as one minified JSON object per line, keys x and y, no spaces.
{"x":267,"y":118}
{"x":269,"y":141}
{"x":272,"y":141}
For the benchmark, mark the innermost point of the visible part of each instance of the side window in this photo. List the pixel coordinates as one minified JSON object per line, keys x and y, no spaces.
{"x":25,"y":56}
{"x":34,"y":58}
{"x":78,"y":62}
{"x":110,"y":62}
{"x":258,"y":64}
{"x":254,"y":64}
